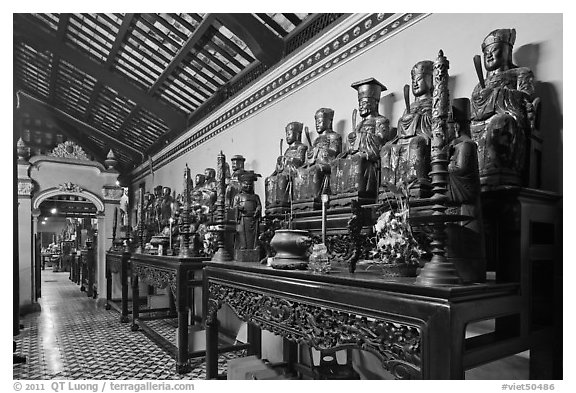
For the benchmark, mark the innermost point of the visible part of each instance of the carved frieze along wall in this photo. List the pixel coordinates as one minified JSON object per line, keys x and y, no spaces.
{"x":397,"y":345}
{"x":157,"y":277}
{"x":353,"y":37}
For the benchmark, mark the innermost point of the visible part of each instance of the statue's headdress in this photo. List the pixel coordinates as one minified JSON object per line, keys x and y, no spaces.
{"x":506,"y":36}
{"x":369,"y":88}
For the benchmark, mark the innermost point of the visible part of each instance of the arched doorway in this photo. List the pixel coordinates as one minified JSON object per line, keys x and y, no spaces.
{"x":65,"y":174}
{"x":65,"y":223}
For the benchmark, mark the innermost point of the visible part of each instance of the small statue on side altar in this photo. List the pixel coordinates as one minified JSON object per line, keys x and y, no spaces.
{"x":464,"y":179}
{"x":406,"y":158}
{"x":165,"y":207}
{"x":248,"y":210}
{"x":465,"y":240}
{"x":157,"y":209}
{"x":277,"y":185}
{"x":503,"y":112}
{"x":313,"y":178}
{"x":234,"y":187}
{"x":354,"y":172}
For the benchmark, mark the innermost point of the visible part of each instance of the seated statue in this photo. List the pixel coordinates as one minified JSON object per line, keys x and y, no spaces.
{"x":354,"y":172}
{"x":406,"y":158}
{"x":503,"y":112}
{"x":204,"y":193}
{"x":277,"y":185}
{"x":313,"y":178}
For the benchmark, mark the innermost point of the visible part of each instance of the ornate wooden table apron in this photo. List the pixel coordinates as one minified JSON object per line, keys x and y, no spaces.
{"x":177,"y":274}
{"x":417,"y":332}
{"x":118,"y":262}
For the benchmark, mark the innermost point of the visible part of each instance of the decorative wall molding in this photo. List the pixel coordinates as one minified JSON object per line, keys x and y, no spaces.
{"x":339,"y":45}
{"x":73,"y":190}
{"x":25,"y":187}
{"x":70,"y":187}
{"x":69,"y":149}
{"x":396,"y":344}
{"x":112,"y":193}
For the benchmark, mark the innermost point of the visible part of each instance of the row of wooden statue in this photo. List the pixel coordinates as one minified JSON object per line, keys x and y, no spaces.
{"x":487,"y":142}
{"x":162,"y":209}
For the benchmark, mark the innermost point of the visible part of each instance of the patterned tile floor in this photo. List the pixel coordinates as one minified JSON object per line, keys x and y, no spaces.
{"x":72,"y":338}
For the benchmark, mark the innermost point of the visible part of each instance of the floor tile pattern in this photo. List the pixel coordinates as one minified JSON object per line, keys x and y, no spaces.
{"x":72,"y":338}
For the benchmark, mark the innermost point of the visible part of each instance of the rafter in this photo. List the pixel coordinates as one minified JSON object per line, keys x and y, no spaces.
{"x":273,"y":24}
{"x":43,"y":41}
{"x":186,"y":48}
{"x":266,"y":46}
{"x":122,"y":31}
{"x":76,"y":124}
{"x":60,"y":34}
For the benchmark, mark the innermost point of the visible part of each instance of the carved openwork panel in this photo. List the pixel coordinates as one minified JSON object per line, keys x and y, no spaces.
{"x":397,"y":345}
{"x":114,"y":264}
{"x":157,"y":277}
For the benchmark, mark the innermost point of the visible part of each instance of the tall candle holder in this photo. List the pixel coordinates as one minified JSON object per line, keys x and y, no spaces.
{"x":439,"y":270}
{"x":220,"y":227}
{"x":185,"y":251}
{"x":140,"y":226}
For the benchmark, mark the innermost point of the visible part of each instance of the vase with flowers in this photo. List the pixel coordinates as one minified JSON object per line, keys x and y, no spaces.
{"x":397,"y":252}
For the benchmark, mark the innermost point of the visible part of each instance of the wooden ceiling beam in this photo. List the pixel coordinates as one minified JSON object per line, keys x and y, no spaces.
{"x":194,"y":38}
{"x":265,"y":45}
{"x":42,"y":41}
{"x":122,"y":32}
{"x":293,"y":19}
{"x":77,"y":125}
{"x":273,"y":24}
{"x":60,"y":34}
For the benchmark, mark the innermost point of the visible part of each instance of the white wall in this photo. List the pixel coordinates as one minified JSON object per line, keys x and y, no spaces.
{"x":538,"y":45}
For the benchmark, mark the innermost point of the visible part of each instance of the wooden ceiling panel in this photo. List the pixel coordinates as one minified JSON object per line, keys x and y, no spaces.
{"x":134,"y":81}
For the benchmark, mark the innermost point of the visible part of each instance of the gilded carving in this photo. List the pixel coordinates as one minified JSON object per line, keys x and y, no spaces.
{"x":69,"y":149}
{"x":397,"y":345}
{"x":69,"y":187}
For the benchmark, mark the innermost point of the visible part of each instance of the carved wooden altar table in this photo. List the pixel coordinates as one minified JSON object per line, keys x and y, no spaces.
{"x":417,"y":332}
{"x":177,"y":274}
{"x":118,"y":262}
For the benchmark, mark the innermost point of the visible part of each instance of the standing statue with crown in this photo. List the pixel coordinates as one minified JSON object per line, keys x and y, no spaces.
{"x":354,"y":174}
{"x":503,"y":112}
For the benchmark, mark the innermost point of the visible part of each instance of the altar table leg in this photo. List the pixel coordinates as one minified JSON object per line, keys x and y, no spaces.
{"x":182,"y":366}
{"x":135,"y":302}
{"x":124,"y":283}
{"x":255,"y":339}
{"x":290,"y":354}
{"x":212,"y":349}
{"x":108,"y":288}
